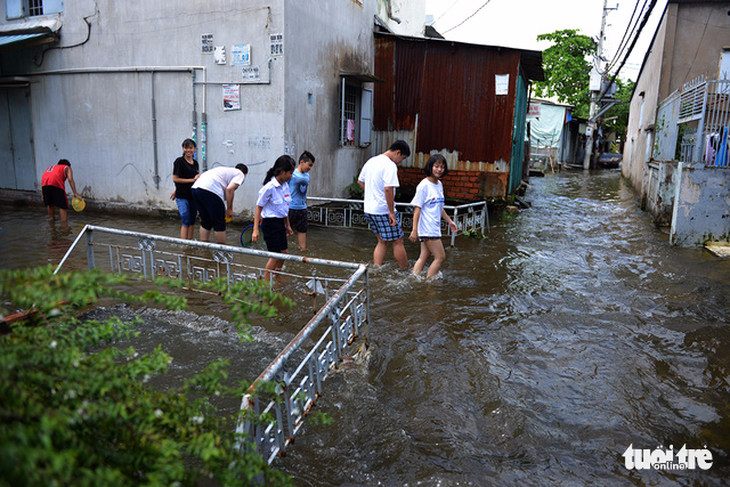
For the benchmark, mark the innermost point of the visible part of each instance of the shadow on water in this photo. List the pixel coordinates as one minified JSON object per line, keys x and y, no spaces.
{"x":573,"y":331}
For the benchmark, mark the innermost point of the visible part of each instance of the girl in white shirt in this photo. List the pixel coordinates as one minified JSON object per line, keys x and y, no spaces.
{"x":272,"y":212}
{"x":429,"y":202}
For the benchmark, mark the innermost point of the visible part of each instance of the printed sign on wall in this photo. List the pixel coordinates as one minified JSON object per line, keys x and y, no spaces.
{"x":250,"y":74}
{"x":220,"y":54}
{"x":241,"y":55}
{"x":207,"y":43}
{"x":501,"y":84}
{"x":277,"y":44}
{"x":231,"y":97}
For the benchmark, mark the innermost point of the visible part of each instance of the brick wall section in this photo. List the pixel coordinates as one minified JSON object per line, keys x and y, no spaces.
{"x":459,"y":186}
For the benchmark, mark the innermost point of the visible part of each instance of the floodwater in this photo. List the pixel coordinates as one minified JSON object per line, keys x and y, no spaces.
{"x":570,"y":333}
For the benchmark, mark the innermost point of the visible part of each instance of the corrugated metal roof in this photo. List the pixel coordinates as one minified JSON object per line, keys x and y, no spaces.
{"x":451,"y":88}
{"x":531,"y":60}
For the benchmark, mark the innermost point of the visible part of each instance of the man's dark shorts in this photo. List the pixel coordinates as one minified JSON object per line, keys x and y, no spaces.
{"x":380,"y":225}
{"x":298,"y":220}
{"x":211,"y":208}
{"x":53,"y":196}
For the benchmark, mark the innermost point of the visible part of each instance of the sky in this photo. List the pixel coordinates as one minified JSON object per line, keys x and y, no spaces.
{"x":517,"y":23}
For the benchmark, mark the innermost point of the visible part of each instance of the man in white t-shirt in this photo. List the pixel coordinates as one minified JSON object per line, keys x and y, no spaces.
{"x":379,"y":178}
{"x":213,"y":194}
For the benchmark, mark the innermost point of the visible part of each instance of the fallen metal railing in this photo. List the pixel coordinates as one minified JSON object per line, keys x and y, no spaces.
{"x":301,"y":368}
{"x":298,"y":390}
{"x":470,"y":217}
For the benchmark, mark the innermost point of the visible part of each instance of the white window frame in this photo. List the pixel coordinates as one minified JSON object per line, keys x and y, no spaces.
{"x":356,"y":101}
{"x":19,"y":9}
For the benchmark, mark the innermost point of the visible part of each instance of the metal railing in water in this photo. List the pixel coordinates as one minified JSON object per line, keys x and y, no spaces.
{"x":300,"y":370}
{"x":472,"y":217}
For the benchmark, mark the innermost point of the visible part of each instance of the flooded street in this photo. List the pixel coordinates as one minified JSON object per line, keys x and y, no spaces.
{"x":573,"y":331}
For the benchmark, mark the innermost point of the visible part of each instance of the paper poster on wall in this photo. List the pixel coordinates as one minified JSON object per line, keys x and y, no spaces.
{"x":241,"y":55}
{"x":207,"y":43}
{"x":220,"y":54}
{"x":501,"y":84}
{"x":231,"y":97}
{"x":277,"y":44}
{"x":250,"y":74}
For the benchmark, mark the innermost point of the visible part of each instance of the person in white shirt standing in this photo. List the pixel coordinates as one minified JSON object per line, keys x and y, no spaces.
{"x":429,"y":202}
{"x":272,"y":212}
{"x":379,"y":179}
{"x":213,"y":193}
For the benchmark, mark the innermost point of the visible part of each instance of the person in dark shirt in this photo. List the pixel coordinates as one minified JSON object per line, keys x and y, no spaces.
{"x":184,"y":173}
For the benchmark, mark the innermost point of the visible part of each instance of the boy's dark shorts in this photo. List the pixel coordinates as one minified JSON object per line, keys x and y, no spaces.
{"x":298,"y":220}
{"x":53,"y":196}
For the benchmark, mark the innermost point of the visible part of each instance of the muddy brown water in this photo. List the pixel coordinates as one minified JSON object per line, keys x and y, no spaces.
{"x":573,"y":331}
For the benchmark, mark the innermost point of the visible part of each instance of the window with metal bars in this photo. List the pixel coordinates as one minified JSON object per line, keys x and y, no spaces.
{"x":355,"y":109}
{"x":18,"y":9}
{"x":35,"y":7}
{"x":349,"y":115}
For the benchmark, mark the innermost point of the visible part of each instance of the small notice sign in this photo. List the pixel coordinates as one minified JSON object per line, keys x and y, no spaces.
{"x":250,"y":74}
{"x":501,"y":84}
{"x":241,"y":55}
{"x":207,"y":43}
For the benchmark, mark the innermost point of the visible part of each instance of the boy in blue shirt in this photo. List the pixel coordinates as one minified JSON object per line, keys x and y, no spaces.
{"x":298,"y":207}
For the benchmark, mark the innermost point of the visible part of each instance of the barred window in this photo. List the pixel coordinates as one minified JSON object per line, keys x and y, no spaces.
{"x":17,"y":9}
{"x":355,"y":113}
{"x":35,"y":7}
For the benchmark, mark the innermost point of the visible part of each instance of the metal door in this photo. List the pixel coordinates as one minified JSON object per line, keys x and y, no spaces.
{"x":16,"y":159}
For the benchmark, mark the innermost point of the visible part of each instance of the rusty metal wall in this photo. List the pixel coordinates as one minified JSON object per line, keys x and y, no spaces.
{"x":446,"y":93}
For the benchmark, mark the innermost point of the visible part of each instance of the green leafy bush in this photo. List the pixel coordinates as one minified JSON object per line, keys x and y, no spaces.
{"x":74,"y":410}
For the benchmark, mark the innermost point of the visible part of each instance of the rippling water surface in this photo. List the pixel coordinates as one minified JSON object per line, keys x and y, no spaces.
{"x":571,"y":332}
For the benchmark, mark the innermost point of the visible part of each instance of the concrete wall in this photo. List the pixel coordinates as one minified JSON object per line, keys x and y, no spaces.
{"x":702,"y":30}
{"x":312,"y":122}
{"x":411,"y":13}
{"x":688,"y":43}
{"x":642,"y":111}
{"x":660,"y":183}
{"x":92,"y":99}
{"x":701,"y":206}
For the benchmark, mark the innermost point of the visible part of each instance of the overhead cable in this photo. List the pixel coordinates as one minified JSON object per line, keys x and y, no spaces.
{"x":472,"y":15}
{"x":647,"y":14}
{"x":446,"y":11}
{"x":630,"y":31}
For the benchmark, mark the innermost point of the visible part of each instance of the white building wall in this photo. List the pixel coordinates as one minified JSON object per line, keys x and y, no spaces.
{"x":92,"y":102}
{"x":92,"y":99}
{"x":642,"y":113}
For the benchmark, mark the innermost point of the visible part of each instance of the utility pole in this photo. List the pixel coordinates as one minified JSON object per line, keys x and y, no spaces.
{"x":596,"y":84}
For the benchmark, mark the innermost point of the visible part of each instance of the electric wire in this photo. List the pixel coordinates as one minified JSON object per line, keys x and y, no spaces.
{"x":446,"y":11}
{"x":644,"y":21}
{"x":628,"y":33}
{"x":469,"y":17}
{"x":630,"y":28}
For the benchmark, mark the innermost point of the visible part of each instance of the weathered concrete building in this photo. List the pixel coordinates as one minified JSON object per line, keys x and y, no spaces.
{"x":115,"y":87}
{"x":675,"y":107}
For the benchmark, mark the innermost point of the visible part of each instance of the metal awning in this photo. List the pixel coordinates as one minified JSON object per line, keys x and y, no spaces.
{"x":29,"y":32}
{"x":362,"y":77}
